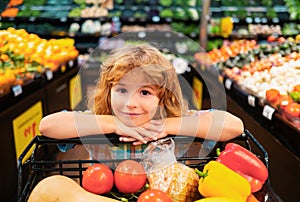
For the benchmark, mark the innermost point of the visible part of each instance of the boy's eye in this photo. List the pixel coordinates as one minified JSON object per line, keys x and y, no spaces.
{"x":145,"y":92}
{"x":122,"y":90}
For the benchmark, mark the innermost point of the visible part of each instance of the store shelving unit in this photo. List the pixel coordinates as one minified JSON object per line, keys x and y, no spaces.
{"x":43,"y":95}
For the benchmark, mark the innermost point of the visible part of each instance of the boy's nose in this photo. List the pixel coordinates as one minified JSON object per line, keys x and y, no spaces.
{"x":132,"y":100}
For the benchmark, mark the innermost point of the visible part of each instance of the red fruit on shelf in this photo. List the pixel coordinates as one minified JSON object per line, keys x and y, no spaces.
{"x":293,"y":109}
{"x":281,"y":39}
{"x":272,"y":96}
{"x":271,"y":38}
{"x":284,"y":100}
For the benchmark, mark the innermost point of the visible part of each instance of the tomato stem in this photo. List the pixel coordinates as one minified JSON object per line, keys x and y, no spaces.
{"x":134,"y":196}
{"x":218,"y":151}
{"x":120,"y":198}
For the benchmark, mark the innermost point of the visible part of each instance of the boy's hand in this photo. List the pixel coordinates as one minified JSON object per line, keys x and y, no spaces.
{"x":151,"y":130}
{"x":142,"y":133}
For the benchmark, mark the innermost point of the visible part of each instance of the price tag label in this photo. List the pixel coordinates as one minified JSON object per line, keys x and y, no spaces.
{"x":17,"y":90}
{"x":142,"y":34}
{"x":155,"y":18}
{"x":251,"y":100}
{"x":49,"y":75}
{"x":268,"y":112}
{"x":32,"y":19}
{"x":71,"y":63}
{"x":63,"y":19}
{"x":228,"y":84}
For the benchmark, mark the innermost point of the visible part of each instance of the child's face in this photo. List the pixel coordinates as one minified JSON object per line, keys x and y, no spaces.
{"x":133,"y":100}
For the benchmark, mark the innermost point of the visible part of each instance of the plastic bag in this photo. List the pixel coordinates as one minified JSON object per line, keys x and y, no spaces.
{"x":179,"y":181}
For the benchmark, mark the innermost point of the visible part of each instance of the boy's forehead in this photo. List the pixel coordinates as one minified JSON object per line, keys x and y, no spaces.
{"x":136,"y":79}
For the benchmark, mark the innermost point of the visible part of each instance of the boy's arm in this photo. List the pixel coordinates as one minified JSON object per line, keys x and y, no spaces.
{"x":72,"y":124}
{"x":214,"y":125}
{"x":209,"y":124}
{"x":62,"y":125}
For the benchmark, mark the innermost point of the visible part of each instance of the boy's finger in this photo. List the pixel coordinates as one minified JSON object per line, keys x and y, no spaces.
{"x":147,"y":133}
{"x":137,"y":143}
{"x":127,"y":139}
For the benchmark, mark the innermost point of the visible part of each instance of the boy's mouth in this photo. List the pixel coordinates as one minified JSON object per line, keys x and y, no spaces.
{"x":131,"y":114}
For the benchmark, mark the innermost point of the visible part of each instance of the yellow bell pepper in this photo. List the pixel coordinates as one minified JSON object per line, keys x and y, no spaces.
{"x":217,"y":180}
{"x":218,"y":199}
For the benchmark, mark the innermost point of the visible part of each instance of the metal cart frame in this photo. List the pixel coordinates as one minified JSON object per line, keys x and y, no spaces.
{"x":37,"y":167}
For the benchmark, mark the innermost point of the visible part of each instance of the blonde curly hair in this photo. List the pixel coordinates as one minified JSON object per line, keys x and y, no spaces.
{"x":155,"y":68}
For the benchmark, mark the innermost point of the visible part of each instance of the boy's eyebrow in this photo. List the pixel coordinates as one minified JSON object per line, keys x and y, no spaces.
{"x":120,"y":84}
{"x":152,"y":86}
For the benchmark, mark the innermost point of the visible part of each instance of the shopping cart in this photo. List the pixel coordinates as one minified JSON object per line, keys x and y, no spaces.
{"x":42,"y":162}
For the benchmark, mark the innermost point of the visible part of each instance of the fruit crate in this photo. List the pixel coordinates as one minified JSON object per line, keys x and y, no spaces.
{"x":42,"y":161}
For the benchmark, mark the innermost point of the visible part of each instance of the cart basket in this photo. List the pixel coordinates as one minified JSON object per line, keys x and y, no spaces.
{"x":42,"y":162}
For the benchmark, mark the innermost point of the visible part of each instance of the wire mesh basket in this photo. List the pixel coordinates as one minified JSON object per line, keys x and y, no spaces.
{"x":43,"y":162}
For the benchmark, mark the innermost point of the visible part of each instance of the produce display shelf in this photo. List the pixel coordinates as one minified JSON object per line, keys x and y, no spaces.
{"x":270,"y":118}
{"x":37,"y":166}
{"x":18,"y":92}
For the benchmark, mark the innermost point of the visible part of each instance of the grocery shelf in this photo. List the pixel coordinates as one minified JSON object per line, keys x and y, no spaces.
{"x":281,"y":128}
{"x":21,"y":114}
{"x":18,"y":92}
{"x":281,"y":159}
{"x":40,"y":80}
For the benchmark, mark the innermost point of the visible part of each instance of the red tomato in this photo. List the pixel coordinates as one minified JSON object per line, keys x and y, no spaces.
{"x":154,"y":195}
{"x":281,"y":39}
{"x":272,"y":95}
{"x":284,"y":101}
{"x":271,"y":38}
{"x":293,"y":109}
{"x":130,"y":176}
{"x":98,"y":179}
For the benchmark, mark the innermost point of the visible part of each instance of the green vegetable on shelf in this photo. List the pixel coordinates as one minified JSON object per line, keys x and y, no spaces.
{"x":79,"y":2}
{"x":179,"y":2}
{"x":166,"y":2}
{"x":166,"y":13}
{"x":295,"y":95}
{"x":75,"y":12}
{"x":34,"y":2}
{"x":29,"y":13}
{"x":191,"y":2}
{"x":180,"y":14}
{"x":193,"y":14}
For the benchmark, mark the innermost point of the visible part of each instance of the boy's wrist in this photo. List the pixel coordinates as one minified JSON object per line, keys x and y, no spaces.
{"x":171,"y":126}
{"x":107,"y":124}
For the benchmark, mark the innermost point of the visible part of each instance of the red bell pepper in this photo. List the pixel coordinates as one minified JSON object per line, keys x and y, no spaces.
{"x":245,"y":163}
